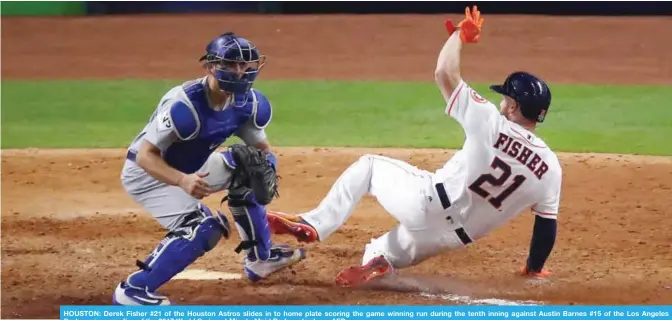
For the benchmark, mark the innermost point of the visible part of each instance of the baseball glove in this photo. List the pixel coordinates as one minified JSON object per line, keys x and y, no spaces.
{"x":254,"y":173}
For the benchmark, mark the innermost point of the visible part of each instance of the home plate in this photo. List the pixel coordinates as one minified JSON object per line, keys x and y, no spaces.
{"x":199,"y":274}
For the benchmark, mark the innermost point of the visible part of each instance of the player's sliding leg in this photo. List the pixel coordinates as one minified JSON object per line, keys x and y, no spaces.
{"x":399,"y":248}
{"x":403,"y":190}
{"x":399,"y":187}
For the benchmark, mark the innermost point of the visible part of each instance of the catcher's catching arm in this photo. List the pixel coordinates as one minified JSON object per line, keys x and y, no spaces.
{"x":255,"y":173}
{"x":263,"y":145}
{"x":256,"y":137}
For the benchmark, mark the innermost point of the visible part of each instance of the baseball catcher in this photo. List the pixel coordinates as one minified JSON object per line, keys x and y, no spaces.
{"x":172,"y":164}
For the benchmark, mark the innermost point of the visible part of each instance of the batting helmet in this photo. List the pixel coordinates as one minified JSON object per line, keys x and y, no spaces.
{"x":226,"y":51}
{"x":531,"y":93}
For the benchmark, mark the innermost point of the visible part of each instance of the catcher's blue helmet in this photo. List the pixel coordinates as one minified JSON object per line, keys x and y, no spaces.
{"x":531,"y":93}
{"x":225,"y":52}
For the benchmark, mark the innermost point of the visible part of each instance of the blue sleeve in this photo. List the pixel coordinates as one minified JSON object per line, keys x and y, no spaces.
{"x":264,"y":110}
{"x":185,"y":120}
{"x":543,"y":240}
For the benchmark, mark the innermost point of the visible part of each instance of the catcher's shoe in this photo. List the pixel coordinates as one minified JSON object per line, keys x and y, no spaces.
{"x":282,"y":256}
{"x":283,"y":223}
{"x":128,"y":295}
{"x":354,"y":276}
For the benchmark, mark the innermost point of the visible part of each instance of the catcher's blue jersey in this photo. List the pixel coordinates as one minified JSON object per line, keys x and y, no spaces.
{"x":188,"y":130}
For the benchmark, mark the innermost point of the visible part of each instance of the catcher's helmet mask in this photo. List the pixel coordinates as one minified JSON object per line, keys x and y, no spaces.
{"x":531,"y":94}
{"x":227,"y":54}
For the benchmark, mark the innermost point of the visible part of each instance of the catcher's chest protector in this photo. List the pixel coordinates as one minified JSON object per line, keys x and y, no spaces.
{"x":202,"y":129}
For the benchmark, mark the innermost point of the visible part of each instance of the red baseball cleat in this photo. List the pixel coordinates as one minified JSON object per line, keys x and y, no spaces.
{"x":283,"y":223}
{"x":353,"y":276}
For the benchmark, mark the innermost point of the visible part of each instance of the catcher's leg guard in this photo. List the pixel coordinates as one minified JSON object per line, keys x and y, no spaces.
{"x":262,"y":257}
{"x":252,"y":225}
{"x":200,"y":232}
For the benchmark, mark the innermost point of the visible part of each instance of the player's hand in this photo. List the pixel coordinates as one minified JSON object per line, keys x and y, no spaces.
{"x":471,"y":26}
{"x":543,"y":274}
{"x":194,"y":185}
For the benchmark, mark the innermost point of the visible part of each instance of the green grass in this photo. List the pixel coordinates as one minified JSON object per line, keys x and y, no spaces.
{"x":618,"y":119}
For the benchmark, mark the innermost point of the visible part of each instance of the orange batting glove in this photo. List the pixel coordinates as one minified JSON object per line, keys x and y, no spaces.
{"x":471,"y":26}
{"x":533,"y":274}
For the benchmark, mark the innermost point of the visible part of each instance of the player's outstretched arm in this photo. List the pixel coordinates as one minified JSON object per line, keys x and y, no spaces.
{"x":447,"y":73}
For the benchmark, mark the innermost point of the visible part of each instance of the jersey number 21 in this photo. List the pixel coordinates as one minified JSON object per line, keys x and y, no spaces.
{"x":496,"y":200}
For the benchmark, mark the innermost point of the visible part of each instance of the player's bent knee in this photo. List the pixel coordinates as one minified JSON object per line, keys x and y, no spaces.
{"x":211,"y":233}
{"x":368,"y":158}
{"x":203,"y":229}
{"x":199,"y":232}
{"x":220,"y":218}
{"x":219,"y":167}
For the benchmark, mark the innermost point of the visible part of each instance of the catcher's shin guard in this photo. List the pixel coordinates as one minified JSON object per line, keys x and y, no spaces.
{"x":200,"y":232}
{"x":252,"y":225}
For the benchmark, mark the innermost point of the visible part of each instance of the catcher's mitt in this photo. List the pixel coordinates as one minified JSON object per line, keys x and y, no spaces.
{"x":254,"y":173}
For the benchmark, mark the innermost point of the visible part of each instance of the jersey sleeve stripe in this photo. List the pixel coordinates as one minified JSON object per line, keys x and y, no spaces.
{"x":454,"y":97}
{"x":545,"y":214}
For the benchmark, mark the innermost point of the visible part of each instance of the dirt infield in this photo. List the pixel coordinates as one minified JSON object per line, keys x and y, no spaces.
{"x":69,"y":233}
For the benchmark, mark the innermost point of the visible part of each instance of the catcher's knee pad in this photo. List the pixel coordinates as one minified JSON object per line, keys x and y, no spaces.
{"x":199,"y":232}
{"x":252,"y":225}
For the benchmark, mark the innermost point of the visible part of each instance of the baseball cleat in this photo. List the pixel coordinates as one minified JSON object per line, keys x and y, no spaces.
{"x":535,"y":275}
{"x":127,"y":295}
{"x":283,"y":223}
{"x":282,"y":256}
{"x":376,"y":268}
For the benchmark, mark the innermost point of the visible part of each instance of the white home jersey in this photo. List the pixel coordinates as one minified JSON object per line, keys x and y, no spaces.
{"x":502,"y":169}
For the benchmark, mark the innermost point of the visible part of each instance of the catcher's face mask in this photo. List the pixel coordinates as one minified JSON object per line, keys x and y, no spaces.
{"x":234,"y":61}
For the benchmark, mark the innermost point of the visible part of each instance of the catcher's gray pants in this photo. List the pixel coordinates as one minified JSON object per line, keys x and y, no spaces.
{"x":169,"y":204}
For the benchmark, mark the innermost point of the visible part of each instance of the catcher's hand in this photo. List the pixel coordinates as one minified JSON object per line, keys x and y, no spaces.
{"x":543,"y":274}
{"x":470,"y":27}
{"x":255,"y":173}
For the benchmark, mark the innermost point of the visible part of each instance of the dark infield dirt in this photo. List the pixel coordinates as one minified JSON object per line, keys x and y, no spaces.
{"x":70,"y":233}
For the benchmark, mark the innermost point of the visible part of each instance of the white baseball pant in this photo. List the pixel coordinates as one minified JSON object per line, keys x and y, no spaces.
{"x":401,"y":189}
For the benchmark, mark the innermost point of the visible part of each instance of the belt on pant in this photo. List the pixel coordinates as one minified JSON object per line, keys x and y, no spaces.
{"x":445,"y":202}
{"x":464,"y":237}
{"x":130,"y":155}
